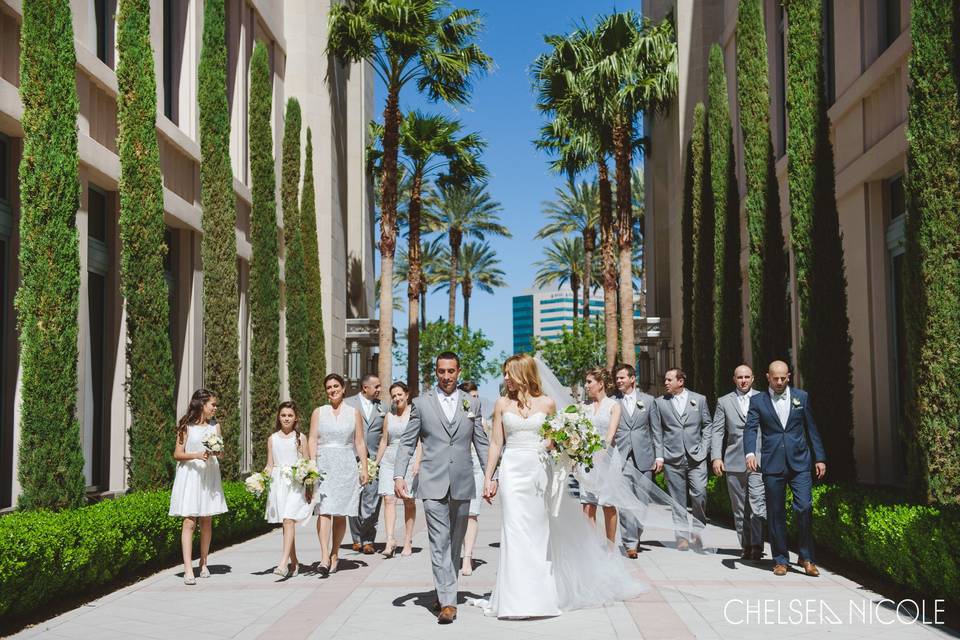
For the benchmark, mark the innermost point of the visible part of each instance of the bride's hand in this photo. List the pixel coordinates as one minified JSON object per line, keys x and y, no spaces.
{"x":489,"y":490}
{"x":550,"y":445}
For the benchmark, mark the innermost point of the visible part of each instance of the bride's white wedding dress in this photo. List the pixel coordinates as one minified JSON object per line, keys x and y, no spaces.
{"x":551,"y":560}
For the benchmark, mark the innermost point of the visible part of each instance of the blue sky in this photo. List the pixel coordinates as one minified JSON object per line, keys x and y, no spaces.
{"x":502,"y":111}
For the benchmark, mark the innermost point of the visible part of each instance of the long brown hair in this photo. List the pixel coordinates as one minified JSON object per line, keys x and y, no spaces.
{"x":290,"y":404}
{"x":522,"y":369}
{"x":194,"y":414}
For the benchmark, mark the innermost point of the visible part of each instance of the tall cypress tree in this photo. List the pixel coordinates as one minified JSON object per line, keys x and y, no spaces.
{"x":703,"y":304}
{"x":728,"y":319}
{"x":298,"y":336}
{"x":264,"y":267}
{"x":768,"y":268}
{"x":221,"y":310}
{"x":932,"y":258}
{"x":825,"y":351}
{"x":688,"y":225}
{"x":51,"y":459}
{"x":150,"y":373}
{"x":314,"y":294}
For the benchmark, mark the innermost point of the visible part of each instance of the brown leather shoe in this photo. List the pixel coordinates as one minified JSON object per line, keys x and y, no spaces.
{"x":368,"y":548}
{"x":356,"y":547}
{"x":683,"y":544}
{"x":746,"y":554}
{"x":779,"y":569}
{"x":810,"y":569}
{"x":435,"y":606}
{"x":632,"y":554}
{"x":756,"y":552}
{"x":447,"y":615}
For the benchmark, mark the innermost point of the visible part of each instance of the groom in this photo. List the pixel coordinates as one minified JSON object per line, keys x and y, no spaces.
{"x":446,"y":421}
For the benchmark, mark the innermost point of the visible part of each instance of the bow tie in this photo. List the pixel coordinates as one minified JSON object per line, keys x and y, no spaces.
{"x":780,"y":396}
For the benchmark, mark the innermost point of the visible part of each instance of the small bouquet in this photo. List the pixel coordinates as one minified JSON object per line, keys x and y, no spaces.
{"x":372,"y":469}
{"x":213,"y":442}
{"x":257,"y":483}
{"x":574,"y":437}
{"x":306,"y":473}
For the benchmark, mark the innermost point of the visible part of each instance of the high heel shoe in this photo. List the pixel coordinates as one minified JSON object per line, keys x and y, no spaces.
{"x":296,"y":570}
{"x":189,"y":580}
{"x":390,"y":549}
{"x":467,"y":568}
{"x":334,"y":562}
{"x":204,"y":572}
{"x":280,"y":572}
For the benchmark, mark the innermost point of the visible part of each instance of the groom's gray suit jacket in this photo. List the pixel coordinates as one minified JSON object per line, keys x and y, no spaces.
{"x":445,"y":466}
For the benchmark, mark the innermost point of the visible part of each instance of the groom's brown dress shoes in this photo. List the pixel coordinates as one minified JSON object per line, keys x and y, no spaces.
{"x":810,"y":569}
{"x":779,"y":569}
{"x":368,"y":548}
{"x":356,"y":547}
{"x":447,"y":615}
{"x":632,"y":554}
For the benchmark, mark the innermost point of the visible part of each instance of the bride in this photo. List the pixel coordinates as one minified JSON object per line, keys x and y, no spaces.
{"x":551,"y":559}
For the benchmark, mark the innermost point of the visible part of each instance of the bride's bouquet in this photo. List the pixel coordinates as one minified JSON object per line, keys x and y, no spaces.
{"x":213,"y":443}
{"x":574,"y":437}
{"x":306,"y":473}
{"x":257,"y":483}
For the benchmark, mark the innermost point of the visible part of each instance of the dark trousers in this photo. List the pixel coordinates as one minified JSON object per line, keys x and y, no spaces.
{"x":775,"y":488}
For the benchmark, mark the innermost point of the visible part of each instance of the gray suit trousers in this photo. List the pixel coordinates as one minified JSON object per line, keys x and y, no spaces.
{"x":446,"y":526}
{"x":631,"y":524}
{"x":748,"y":505}
{"x":363,"y":529}
{"x":687,"y":477}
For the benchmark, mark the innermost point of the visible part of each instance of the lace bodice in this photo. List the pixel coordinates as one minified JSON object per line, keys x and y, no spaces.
{"x":395,"y":426}
{"x":336,"y":431}
{"x":285,"y":452}
{"x":520,"y":432}
{"x":601,"y":419}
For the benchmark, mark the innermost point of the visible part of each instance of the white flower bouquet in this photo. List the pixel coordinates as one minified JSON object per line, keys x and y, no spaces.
{"x":306,"y":473}
{"x":372,"y":469}
{"x":213,"y":442}
{"x":574,"y":437}
{"x":257,"y":483}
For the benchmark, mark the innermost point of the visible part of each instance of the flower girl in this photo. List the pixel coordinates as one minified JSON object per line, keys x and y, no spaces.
{"x":287,"y":501}
{"x":197,"y":494}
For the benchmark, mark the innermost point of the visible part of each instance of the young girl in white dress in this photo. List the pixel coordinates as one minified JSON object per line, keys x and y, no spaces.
{"x":605,"y":413}
{"x":394,"y":424}
{"x":287,"y":501}
{"x":336,"y":442}
{"x":197,"y":493}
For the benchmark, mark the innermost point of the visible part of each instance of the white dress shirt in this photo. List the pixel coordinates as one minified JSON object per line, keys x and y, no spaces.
{"x":367,"y":406}
{"x":743,"y":399}
{"x":680,"y":402}
{"x":630,"y":402}
{"x":448,"y":403}
{"x":781,"y":403}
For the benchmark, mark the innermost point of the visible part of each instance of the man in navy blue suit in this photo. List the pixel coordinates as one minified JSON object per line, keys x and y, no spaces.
{"x":783,"y":416}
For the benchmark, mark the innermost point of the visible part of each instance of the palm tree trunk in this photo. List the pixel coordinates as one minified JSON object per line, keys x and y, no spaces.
{"x":575,"y":285}
{"x":414,"y":287}
{"x":622,"y":133}
{"x":388,"y":234}
{"x":423,"y":309}
{"x":608,"y":259}
{"x":467,"y":292}
{"x":589,"y":246}
{"x":455,"y":238}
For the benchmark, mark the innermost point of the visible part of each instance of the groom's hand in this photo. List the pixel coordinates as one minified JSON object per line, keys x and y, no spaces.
{"x":400,"y":488}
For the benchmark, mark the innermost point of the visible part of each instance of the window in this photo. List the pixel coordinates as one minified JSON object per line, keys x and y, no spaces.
{"x":98,"y":270}
{"x":174,"y":21}
{"x":888,"y":23}
{"x":103,"y":12}
{"x":829,"y":61}
{"x":170,"y":273}
{"x":896,"y":208}
{"x":781,"y":59}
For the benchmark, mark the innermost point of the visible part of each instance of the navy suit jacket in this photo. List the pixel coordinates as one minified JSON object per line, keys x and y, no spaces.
{"x":783,"y":449}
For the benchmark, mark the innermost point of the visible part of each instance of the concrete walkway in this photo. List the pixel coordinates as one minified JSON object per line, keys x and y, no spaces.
{"x":690,"y":596}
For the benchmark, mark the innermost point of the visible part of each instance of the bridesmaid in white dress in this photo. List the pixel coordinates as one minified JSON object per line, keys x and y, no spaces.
{"x":287,"y":502}
{"x":336,"y":442}
{"x":197,"y":493}
{"x":605,"y":413}
{"x":395,"y":422}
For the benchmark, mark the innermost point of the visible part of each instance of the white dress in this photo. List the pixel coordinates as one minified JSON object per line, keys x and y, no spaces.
{"x":477,"y":481}
{"x":287,"y":499}
{"x":196,"y":487}
{"x":601,"y":422}
{"x":395,"y":425}
{"x":550,"y":560}
{"x":339,"y":492}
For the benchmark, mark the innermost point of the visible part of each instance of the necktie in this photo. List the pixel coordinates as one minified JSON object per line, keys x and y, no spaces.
{"x":630,"y":404}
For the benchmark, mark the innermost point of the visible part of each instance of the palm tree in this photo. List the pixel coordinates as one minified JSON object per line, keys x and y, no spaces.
{"x":435,"y":257}
{"x":562,"y":263}
{"x":479,"y":266}
{"x":405,"y":41}
{"x":431,"y":147}
{"x":462,"y":213}
{"x":576,"y":209}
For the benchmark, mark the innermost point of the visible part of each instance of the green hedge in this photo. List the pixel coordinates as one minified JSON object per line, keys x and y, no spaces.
{"x":703,"y":304}
{"x":51,"y":459}
{"x":314,"y":295}
{"x":688,"y":243}
{"x":46,"y":555}
{"x":913,"y":546}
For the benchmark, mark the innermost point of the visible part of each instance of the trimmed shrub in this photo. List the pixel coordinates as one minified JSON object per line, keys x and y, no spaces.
{"x":825,"y":350}
{"x":728,"y":318}
{"x":150,"y":374}
{"x":314,"y":291}
{"x":688,"y":254}
{"x":703,"y":304}
{"x":768,"y":268}
{"x":46,"y":555}
{"x":932,"y":271}
{"x":298,"y":336}
{"x":51,"y":459}
{"x":264,"y":267}
{"x":221,"y":310}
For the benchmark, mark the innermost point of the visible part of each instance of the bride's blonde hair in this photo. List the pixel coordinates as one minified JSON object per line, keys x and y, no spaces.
{"x":522,"y":369}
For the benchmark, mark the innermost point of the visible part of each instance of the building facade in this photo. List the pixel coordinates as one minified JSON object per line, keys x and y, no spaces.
{"x":336,"y":104}
{"x":545,"y":314}
{"x":867,"y":45}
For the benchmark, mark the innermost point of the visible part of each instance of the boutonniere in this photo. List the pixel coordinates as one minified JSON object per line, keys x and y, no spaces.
{"x":796,"y":403}
{"x":693,"y":403}
{"x":466,"y":405}
{"x":640,"y":405}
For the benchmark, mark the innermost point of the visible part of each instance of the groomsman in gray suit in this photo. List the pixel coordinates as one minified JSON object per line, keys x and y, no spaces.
{"x":744,"y":487}
{"x":681,"y":420}
{"x":363,"y":528}
{"x":640,"y":447}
